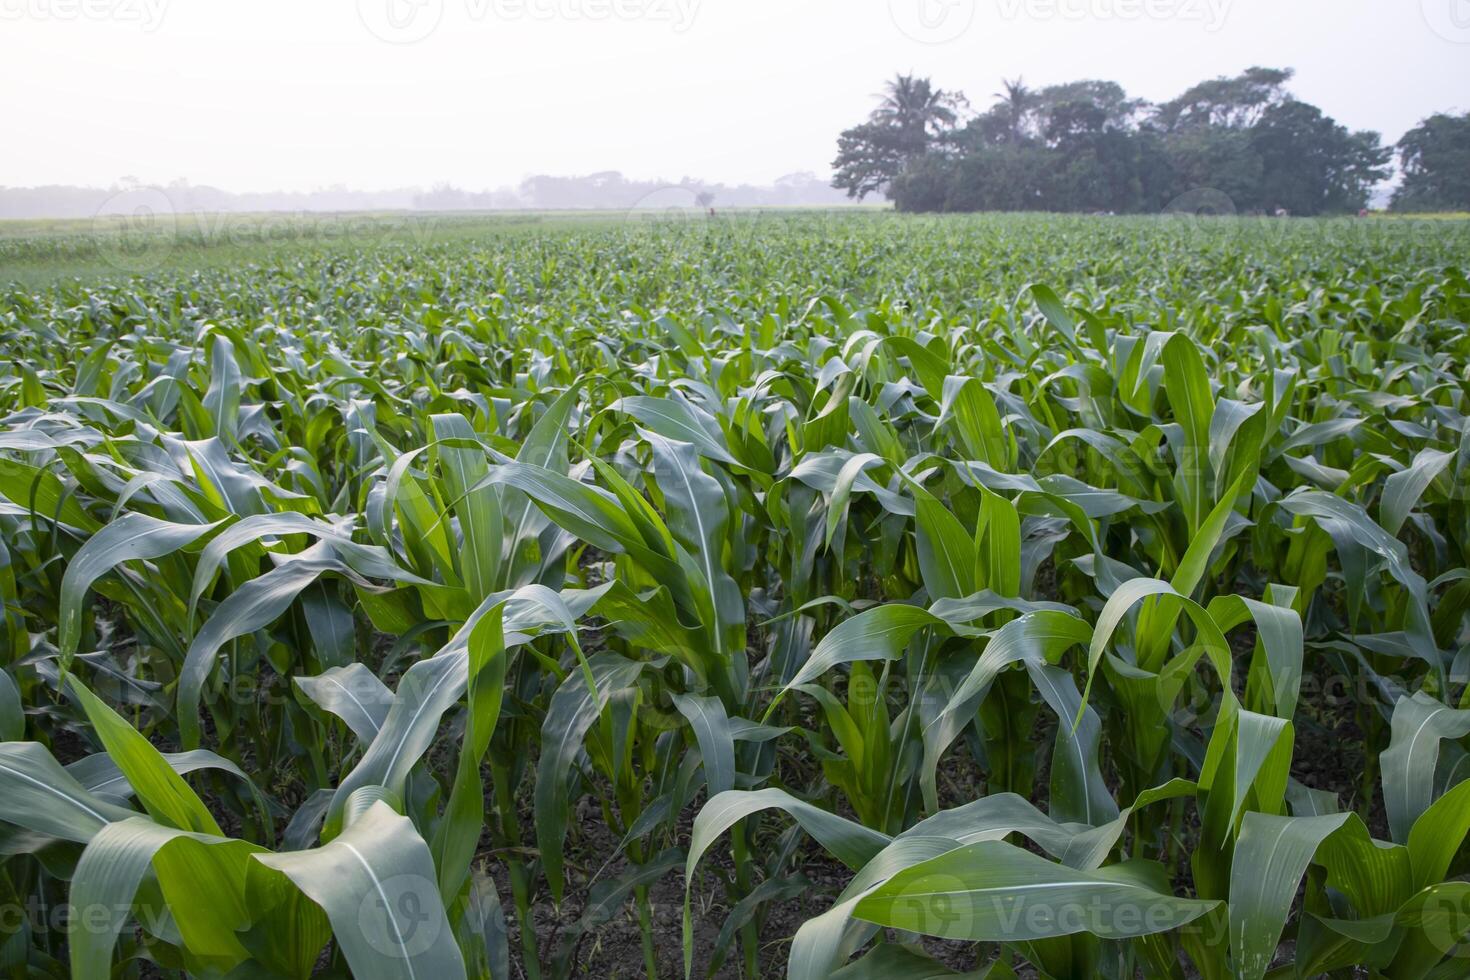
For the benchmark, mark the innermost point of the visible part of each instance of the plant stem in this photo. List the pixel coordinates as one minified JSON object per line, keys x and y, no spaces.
{"x":749,"y":938}
{"x":520,"y":880}
{"x":645,"y":927}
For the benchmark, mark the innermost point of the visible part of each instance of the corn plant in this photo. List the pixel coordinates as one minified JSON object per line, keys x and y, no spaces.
{"x":1085,"y":597}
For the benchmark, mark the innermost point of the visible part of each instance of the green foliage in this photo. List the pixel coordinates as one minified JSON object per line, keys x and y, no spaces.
{"x":1435,"y":156}
{"x":1093,"y":597}
{"x":1227,"y":145}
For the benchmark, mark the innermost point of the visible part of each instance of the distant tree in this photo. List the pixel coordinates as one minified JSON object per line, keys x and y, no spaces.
{"x":869,"y":157}
{"x":912,"y":117}
{"x":1006,"y":178}
{"x":925,"y":185}
{"x":921,"y":111}
{"x":1435,"y":158}
{"x":1087,"y":146}
{"x":1082,"y":108}
{"x":1216,"y":158}
{"x":1013,"y":103}
{"x":994,"y":127}
{"x":1231,"y":103}
{"x":1311,"y":164}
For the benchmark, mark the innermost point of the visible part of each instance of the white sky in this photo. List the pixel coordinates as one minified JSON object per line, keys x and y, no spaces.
{"x":300,"y":94}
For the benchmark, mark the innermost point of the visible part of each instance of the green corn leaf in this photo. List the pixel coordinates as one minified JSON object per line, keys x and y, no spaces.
{"x":431,"y":687}
{"x":1039,"y":637}
{"x":481,"y":525}
{"x":1078,"y":790}
{"x":1056,"y":314}
{"x":12,"y":710}
{"x":352,"y":693}
{"x":946,"y":550}
{"x":817,"y":946}
{"x":1419,"y":723}
{"x":715,"y":738}
{"x":253,"y":606}
{"x":889,"y":962}
{"x":131,"y":537}
{"x":1270,"y":859}
{"x":99,"y":774}
{"x":571,"y":714}
{"x":851,"y":843}
{"x":377,"y":884}
{"x":971,"y":409}
{"x":880,"y":633}
{"x":699,"y":520}
{"x":43,"y":798}
{"x":1188,"y":387}
{"x":160,"y":789}
{"x":113,"y":866}
{"x":680,"y":421}
{"x":1402,"y":490}
{"x":998,"y":548}
{"x":464,"y":815}
{"x":996,"y":892}
{"x":545,"y":447}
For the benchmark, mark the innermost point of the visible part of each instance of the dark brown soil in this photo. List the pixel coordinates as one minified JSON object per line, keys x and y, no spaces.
{"x":615,"y":949}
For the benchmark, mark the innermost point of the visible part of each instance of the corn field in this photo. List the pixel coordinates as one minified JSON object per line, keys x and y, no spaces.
{"x":809,"y":596}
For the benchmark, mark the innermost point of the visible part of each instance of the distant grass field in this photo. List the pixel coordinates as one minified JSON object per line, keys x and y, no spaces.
{"x":40,"y":252}
{"x":36,"y":252}
{"x":1426,"y":215}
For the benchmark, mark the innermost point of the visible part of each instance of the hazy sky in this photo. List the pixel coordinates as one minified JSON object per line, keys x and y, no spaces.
{"x":301,"y":94}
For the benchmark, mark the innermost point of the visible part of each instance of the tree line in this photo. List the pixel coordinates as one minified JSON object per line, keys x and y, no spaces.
{"x":1087,"y":146}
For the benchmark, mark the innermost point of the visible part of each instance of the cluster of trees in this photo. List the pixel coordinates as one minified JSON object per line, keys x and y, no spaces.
{"x":1435,"y":158}
{"x":1088,"y":146}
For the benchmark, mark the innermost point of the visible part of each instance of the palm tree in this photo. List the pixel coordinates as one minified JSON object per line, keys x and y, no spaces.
{"x":1015,"y":100}
{"x":918,"y":109}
